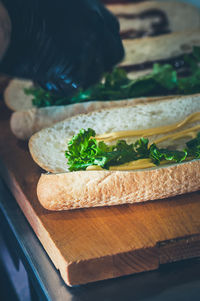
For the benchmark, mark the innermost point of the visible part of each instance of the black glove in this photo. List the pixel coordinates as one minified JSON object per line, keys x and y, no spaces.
{"x":61,"y":44}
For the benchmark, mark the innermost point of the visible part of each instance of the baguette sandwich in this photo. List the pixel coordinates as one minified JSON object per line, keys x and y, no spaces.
{"x":136,"y":20}
{"x":152,"y":18}
{"x":125,"y":155}
{"x":141,"y":58}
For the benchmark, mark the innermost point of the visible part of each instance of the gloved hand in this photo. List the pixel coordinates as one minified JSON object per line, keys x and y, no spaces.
{"x":61,"y":44}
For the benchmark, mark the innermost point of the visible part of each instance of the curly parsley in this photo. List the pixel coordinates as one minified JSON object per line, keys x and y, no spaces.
{"x":84,"y":150}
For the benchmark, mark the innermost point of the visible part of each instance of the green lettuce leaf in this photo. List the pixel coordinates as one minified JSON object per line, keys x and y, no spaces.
{"x":193,"y":147}
{"x":157,"y":155}
{"x":84,"y":150}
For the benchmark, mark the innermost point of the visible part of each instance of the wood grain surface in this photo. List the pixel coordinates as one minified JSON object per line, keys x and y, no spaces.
{"x":95,"y":244}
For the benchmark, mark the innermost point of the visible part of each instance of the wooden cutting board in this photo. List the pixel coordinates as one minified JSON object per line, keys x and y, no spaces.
{"x":95,"y":244}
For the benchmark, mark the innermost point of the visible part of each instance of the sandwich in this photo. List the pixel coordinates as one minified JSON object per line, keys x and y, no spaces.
{"x":37,"y":109}
{"x":155,"y":67}
{"x":120,"y":155}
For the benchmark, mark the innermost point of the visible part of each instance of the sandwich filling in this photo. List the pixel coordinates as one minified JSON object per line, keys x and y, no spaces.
{"x":179,"y":76}
{"x":85,"y":151}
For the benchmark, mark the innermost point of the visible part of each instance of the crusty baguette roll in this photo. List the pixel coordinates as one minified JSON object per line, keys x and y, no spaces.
{"x":68,"y":190}
{"x":138,"y":52}
{"x":140,"y":18}
{"x":48,"y":146}
{"x":176,"y":14}
{"x":84,"y":189}
{"x":26,"y":123}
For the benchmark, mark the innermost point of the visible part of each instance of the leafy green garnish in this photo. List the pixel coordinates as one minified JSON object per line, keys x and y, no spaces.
{"x":84,"y":150}
{"x":194,"y":147}
{"x":157,"y":155}
{"x":163,"y":80}
{"x":109,"y":89}
{"x":43,"y":98}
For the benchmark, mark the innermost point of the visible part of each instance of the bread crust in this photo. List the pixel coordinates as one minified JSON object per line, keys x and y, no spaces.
{"x":84,"y":189}
{"x":26,"y":123}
